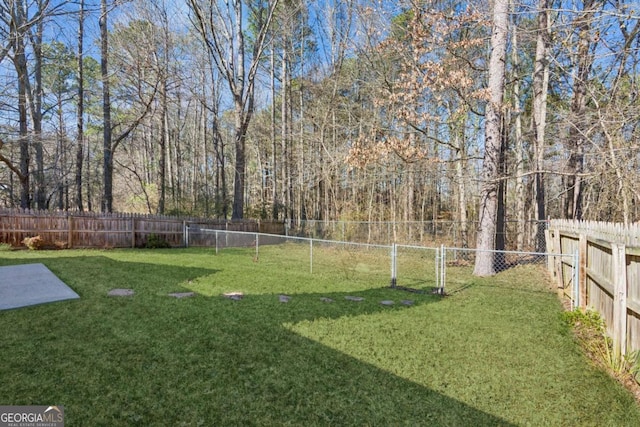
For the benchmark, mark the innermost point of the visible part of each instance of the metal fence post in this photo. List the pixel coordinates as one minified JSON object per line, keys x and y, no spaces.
{"x":437,"y":267}
{"x":216,"y":242}
{"x":311,"y":256}
{"x":186,"y":235}
{"x":576,"y":279}
{"x":257,"y":246}
{"x":443,"y":269}
{"x":394,"y":266}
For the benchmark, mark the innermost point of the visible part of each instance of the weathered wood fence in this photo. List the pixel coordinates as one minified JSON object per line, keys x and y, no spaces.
{"x":99,"y":230}
{"x":609,"y":274}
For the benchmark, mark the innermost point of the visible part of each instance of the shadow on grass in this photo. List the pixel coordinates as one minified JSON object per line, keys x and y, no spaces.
{"x":91,"y":276}
{"x":524,"y":278}
{"x":153,"y":360}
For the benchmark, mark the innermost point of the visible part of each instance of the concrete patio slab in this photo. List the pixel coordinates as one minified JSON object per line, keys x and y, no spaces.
{"x":31,"y":284}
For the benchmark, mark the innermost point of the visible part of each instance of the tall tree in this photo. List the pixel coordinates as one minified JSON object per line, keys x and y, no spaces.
{"x":579,"y":122}
{"x":80,"y":108}
{"x":107,"y":145}
{"x":616,"y":110}
{"x":222,"y":27}
{"x":484,"y":265}
{"x":516,"y":113}
{"x":539,"y":116}
{"x":162,"y":62}
{"x":428,"y":98}
{"x":135,"y":85}
{"x":35,"y":102}
{"x":19,"y":28}
{"x":57,"y":76}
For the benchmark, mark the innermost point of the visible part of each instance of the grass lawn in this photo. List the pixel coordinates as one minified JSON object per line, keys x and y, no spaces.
{"x":495,"y":353}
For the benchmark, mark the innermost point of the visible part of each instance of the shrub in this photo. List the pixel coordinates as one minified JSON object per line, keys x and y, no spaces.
{"x":34,"y":243}
{"x":588,"y":319}
{"x":590,"y":330}
{"x":634,"y":362}
{"x":59,"y":244}
{"x":156,"y":242}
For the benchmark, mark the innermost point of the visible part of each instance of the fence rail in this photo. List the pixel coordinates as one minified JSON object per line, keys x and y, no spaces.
{"x":608,"y":274}
{"x":430,"y":232}
{"x":99,"y":230}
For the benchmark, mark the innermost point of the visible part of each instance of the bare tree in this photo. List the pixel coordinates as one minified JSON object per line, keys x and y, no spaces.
{"x":107,"y":191}
{"x":80,"y":108}
{"x":19,"y":33}
{"x":222,"y":27}
{"x":578,"y":117}
{"x":615,"y":112}
{"x":539,"y":116}
{"x":516,"y":111}
{"x":27,"y":29}
{"x":143,"y":103}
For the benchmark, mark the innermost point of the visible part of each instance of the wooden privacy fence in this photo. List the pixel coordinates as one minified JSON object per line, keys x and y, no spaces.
{"x":98,"y":230}
{"x":608,"y":275}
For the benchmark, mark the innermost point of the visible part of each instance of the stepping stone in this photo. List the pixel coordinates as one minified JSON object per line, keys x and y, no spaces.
{"x":352,"y":298}
{"x":325,"y":299}
{"x":387,"y":302}
{"x":284,"y":298}
{"x":406,"y":302}
{"x":120,"y":292}
{"x":236,"y":296}
{"x":182,"y":294}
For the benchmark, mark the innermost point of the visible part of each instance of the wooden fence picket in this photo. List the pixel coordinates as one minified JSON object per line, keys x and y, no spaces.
{"x":609,"y":275}
{"x":100,"y":230}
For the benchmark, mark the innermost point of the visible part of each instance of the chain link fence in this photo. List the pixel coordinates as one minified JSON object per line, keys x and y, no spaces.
{"x":558,"y":270}
{"x":346,"y":260}
{"x":440,"y":270}
{"x":515,"y":235}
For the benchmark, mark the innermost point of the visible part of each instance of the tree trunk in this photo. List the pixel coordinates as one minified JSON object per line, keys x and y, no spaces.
{"x":238,"y":91}
{"x":484,"y":265}
{"x":499,"y":261}
{"x":36,"y":112}
{"x":540,"y":85}
{"x":460,"y":162}
{"x":227,"y":48}
{"x":80,"y":110}
{"x":20,"y":63}
{"x":520,"y":206}
{"x":239,"y":171}
{"x":162,"y":160}
{"x":578,"y":124}
{"x":25,"y":158}
{"x":107,"y":195}
{"x":88,"y":181}
{"x":224,"y":192}
{"x":274,"y":155}
{"x":164,"y":69}
{"x":284,"y":142}
{"x":61,"y":157}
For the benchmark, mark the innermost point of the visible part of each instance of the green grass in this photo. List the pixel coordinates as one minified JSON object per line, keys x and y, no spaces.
{"x":495,"y":353}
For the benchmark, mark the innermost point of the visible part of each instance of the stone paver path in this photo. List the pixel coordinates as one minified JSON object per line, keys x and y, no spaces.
{"x":121,"y":292}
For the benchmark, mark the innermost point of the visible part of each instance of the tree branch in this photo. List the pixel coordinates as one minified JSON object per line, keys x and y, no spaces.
{"x":9,"y":164}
